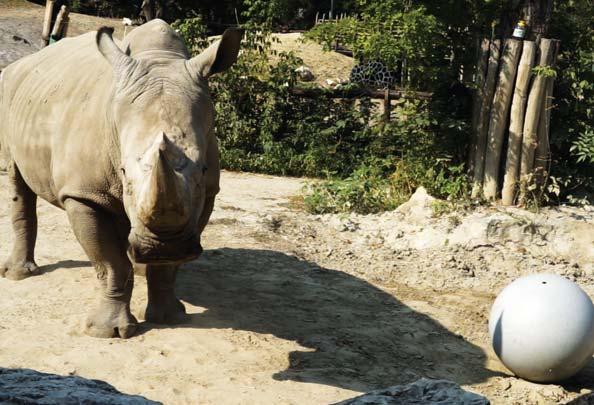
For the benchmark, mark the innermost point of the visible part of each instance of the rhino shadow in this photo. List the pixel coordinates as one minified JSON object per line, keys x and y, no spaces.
{"x":64,"y":264}
{"x":355,"y":336}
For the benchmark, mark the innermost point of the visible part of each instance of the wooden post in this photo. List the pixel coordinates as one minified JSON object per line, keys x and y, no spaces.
{"x":387,"y":105}
{"x":479,"y":81}
{"x":516,"y":123}
{"x":499,"y":114}
{"x":61,"y":20}
{"x":483,"y":119}
{"x":533,"y":111}
{"x":47,"y":21}
{"x":542,"y":159}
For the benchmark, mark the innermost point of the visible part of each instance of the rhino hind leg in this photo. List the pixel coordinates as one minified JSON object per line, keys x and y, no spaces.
{"x":104,"y":242}
{"x":21,"y":263}
{"x":163,"y":307}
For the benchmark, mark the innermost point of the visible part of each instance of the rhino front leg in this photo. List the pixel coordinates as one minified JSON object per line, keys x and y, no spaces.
{"x":105,"y":244}
{"x":21,"y":263}
{"x":163,"y":306}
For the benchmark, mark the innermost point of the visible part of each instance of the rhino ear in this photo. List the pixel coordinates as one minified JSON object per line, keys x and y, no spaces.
{"x":119,"y":61}
{"x":219,"y":56}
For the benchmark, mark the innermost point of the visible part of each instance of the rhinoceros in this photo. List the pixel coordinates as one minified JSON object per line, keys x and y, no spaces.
{"x":121,"y":138}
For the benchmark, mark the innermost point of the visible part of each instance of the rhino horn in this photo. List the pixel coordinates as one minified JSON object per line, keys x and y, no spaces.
{"x":163,"y":202}
{"x":219,"y":56}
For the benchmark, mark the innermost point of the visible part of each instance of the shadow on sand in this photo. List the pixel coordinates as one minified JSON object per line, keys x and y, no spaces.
{"x":64,"y":264}
{"x":355,"y":335}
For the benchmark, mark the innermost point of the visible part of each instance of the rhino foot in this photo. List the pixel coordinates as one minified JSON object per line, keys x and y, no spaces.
{"x":112,"y":318}
{"x":165,"y":309}
{"x":19,"y":271}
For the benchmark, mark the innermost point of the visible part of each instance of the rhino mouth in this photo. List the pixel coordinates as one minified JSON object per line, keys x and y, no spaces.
{"x":153,"y":250}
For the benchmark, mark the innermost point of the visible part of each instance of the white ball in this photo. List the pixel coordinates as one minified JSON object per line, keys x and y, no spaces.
{"x":542,"y":327}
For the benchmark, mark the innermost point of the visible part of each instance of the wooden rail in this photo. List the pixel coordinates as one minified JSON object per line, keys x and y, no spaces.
{"x":357,"y":92}
{"x":350,"y":92}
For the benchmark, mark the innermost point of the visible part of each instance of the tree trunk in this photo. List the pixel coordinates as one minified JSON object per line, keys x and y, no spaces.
{"x":516,"y":125}
{"x":482,"y":121}
{"x":542,"y":160}
{"x":59,"y":26}
{"x":533,"y":111}
{"x":537,"y":14}
{"x":478,"y":96}
{"x":47,"y":21}
{"x":499,"y":114}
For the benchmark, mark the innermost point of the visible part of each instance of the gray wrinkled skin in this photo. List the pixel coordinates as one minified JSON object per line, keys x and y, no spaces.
{"x":121,"y":137}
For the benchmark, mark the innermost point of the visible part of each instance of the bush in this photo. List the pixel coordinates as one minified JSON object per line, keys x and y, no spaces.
{"x":413,"y":36}
{"x":572,"y":120}
{"x":262,"y":127}
{"x":370,"y":190}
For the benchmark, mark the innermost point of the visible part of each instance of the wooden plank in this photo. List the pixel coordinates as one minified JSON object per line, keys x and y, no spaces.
{"x":483,"y":120}
{"x":387,"y":106}
{"x":349,"y":92}
{"x":533,"y":111}
{"x":516,"y":125}
{"x":499,"y":114}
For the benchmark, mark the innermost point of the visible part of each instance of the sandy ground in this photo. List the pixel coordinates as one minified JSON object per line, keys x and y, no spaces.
{"x":324,"y":65}
{"x":272,"y":321}
{"x":21,"y":23}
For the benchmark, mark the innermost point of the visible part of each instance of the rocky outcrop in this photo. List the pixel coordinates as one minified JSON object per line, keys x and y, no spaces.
{"x":419,"y":208}
{"x":305,"y":74}
{"x":23,"y":386}
{"x":424,"y":391}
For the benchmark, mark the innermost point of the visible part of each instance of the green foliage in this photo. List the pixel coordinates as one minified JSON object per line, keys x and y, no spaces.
{"x":369,"y":189}
{"x":366,"y":190}
{"x":544,"y":71}
{"x":370,"y":166}
{"x":572,"y":118}
{"x":413,"y":36}
{"x":194,"y":33}
{"x":583,"y":146}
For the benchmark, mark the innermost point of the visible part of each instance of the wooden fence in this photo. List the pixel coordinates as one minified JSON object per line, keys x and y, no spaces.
{"x":355,"y":93}
{"x":514,"y":82}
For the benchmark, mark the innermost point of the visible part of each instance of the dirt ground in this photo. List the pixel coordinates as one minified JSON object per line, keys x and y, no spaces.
{"x":324,"y":65}
{"x":278,"y":316}
{"x":21,"y":23}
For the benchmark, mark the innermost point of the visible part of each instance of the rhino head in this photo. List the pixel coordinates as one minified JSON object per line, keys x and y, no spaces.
{"x":163,"y":116}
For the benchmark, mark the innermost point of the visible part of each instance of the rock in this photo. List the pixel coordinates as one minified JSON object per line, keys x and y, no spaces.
{"x":424,"y":391}
{"x":23,"y":386}
{"x":343,"y":224}
{"x":305,"y":74}
{"x":419,"y":207}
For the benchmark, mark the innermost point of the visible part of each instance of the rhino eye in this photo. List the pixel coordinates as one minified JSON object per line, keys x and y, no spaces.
{"x":181,"y":164}
{"x":204,"y":169}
